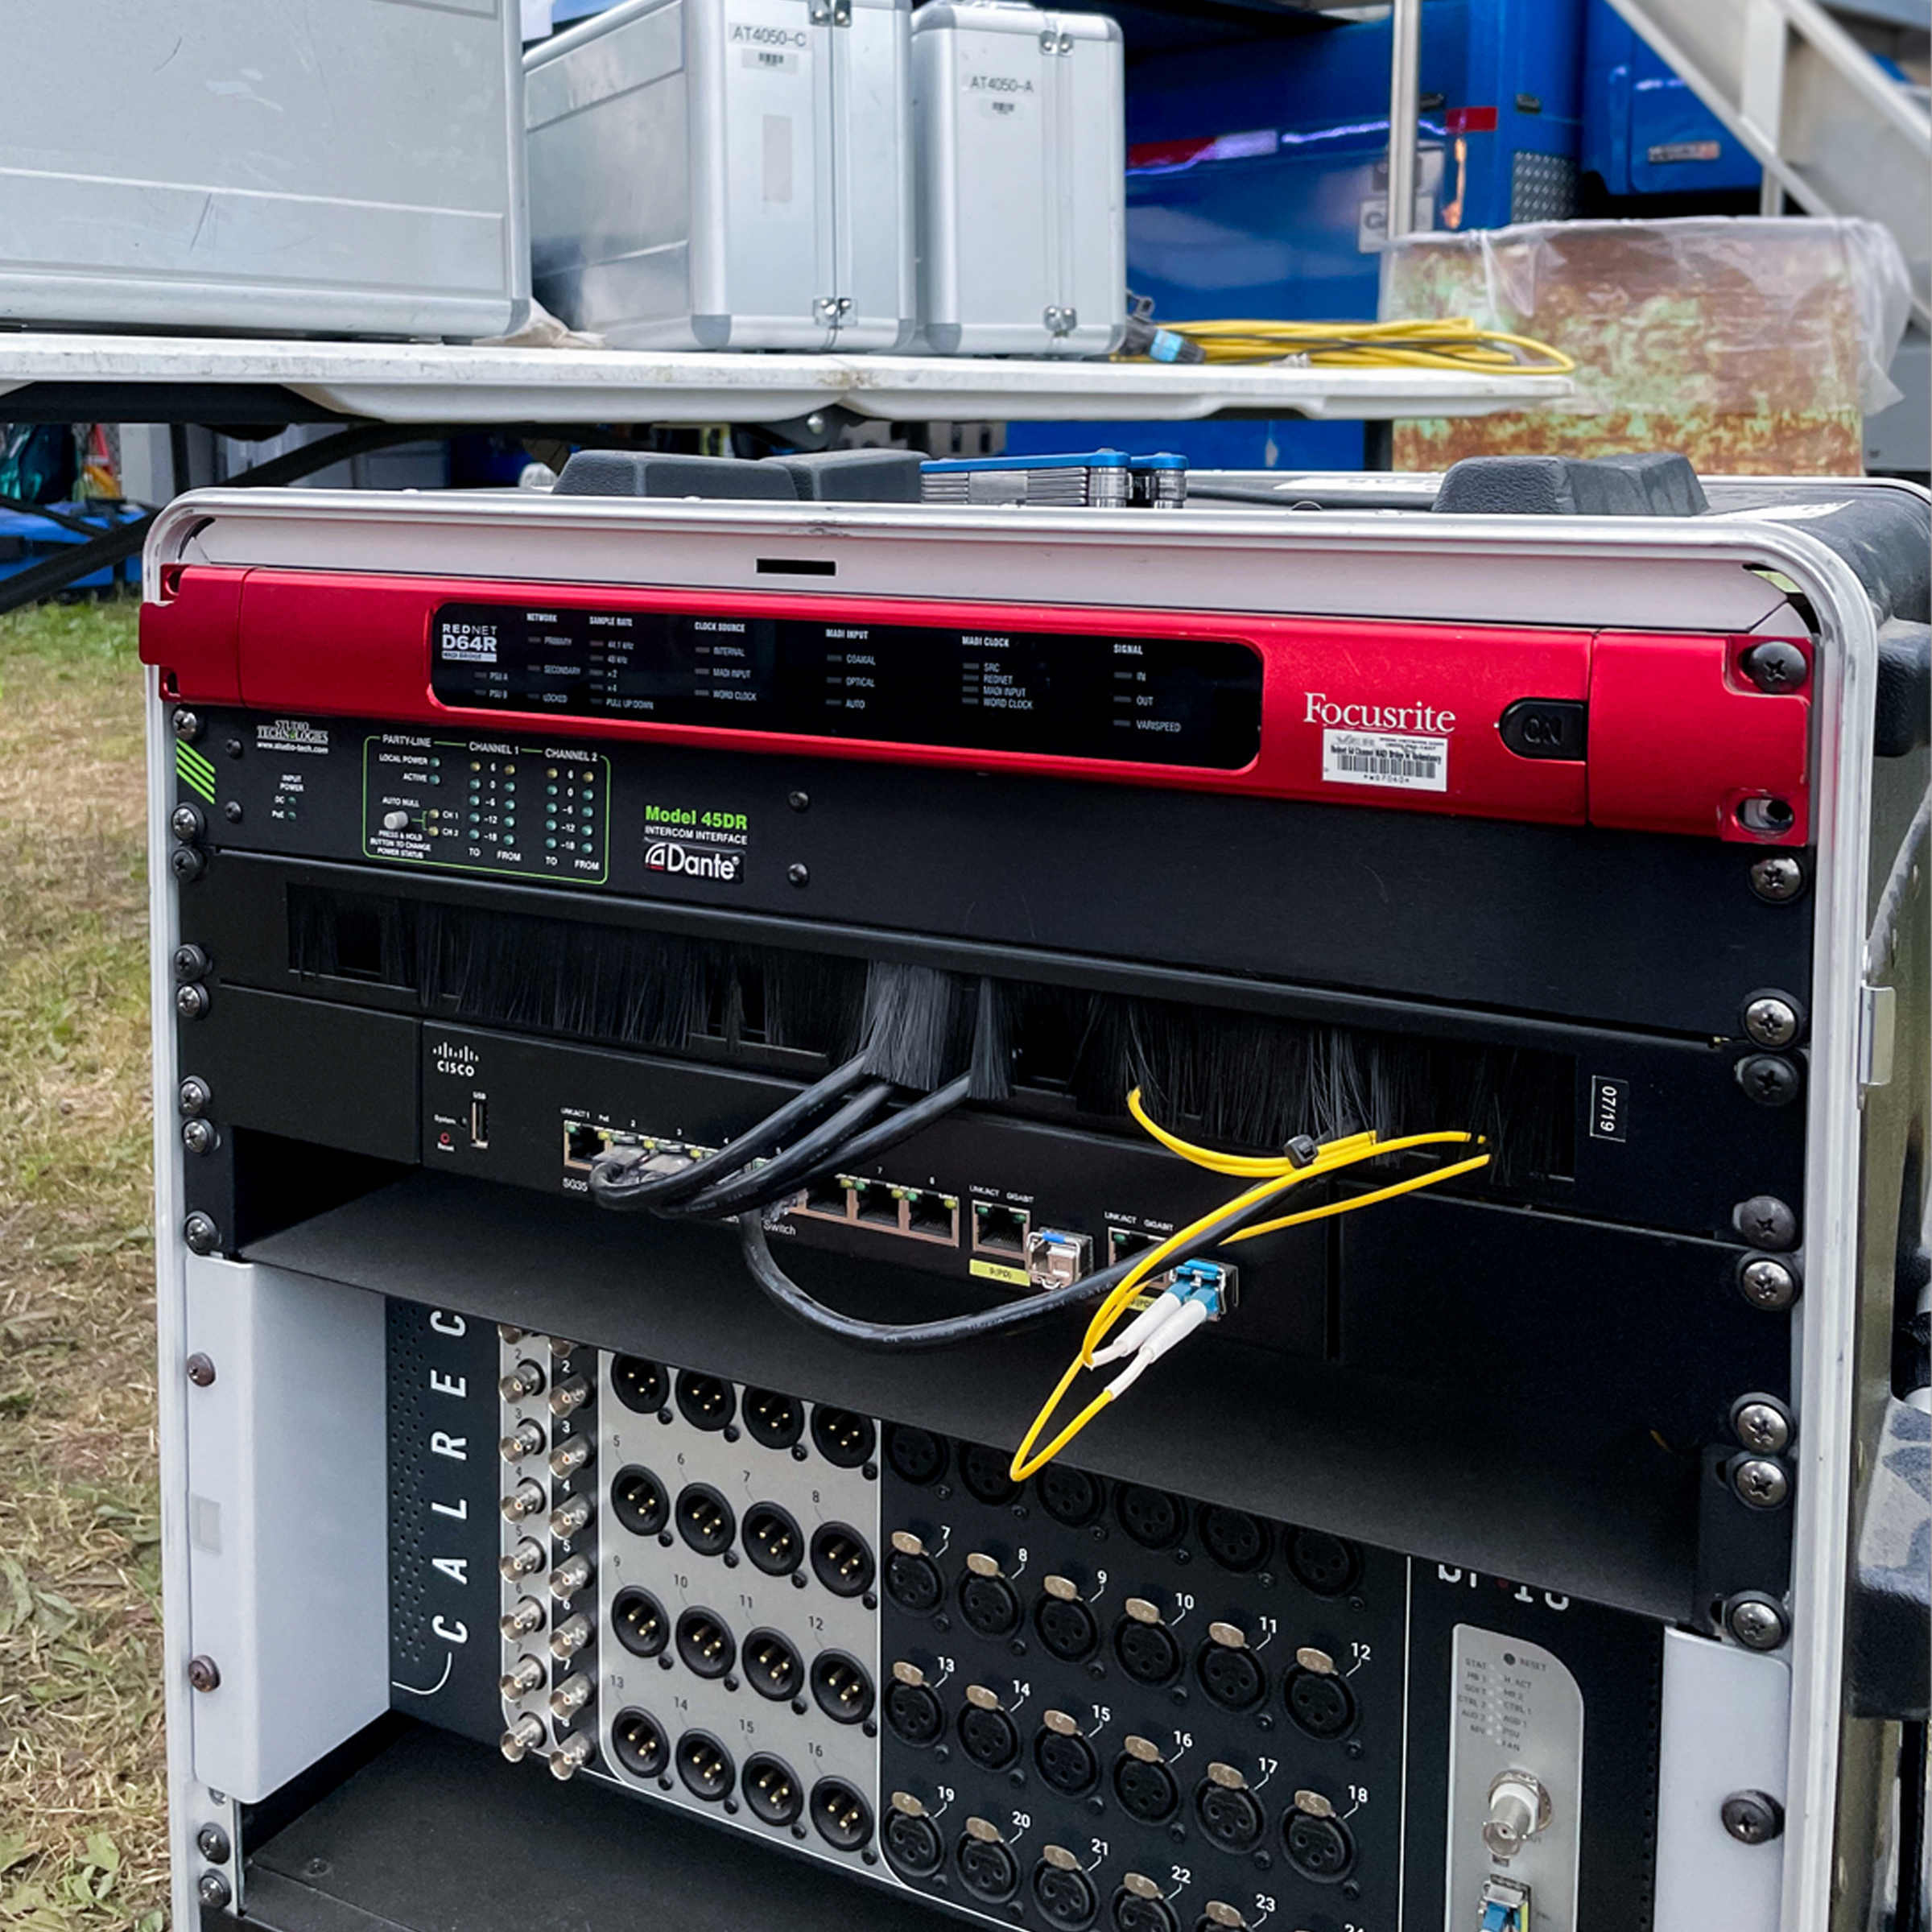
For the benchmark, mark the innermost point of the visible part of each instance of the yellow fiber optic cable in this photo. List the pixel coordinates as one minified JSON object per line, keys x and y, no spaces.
{"x":1455,"y":342}
{"x":1272,"y":1176}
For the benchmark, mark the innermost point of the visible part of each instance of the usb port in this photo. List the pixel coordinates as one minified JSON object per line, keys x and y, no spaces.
{"x":479,"y":1121}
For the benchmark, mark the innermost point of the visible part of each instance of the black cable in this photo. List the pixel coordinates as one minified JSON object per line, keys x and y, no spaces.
{"x":782,"y":1174}
{"x":616,"y":1180}
{"x":888,"y":1132}
{"x":1007,"y":1319}
{"x":908,"y":1337}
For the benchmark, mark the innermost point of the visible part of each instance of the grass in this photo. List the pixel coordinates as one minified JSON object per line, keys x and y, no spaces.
{"x":82,"y":1796}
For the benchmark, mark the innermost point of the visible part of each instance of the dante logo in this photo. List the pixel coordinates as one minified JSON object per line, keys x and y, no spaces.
{"x":469,"y":643}
{"x":727,"y":867}
{"x":1323,"y":710}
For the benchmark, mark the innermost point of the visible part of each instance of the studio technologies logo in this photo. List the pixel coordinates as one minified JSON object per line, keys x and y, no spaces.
{"x":727,"y":867}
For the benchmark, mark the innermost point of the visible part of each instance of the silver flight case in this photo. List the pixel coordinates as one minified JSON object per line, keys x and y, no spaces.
{"x":726,"y":174}
{"x":1021,"y":178}
{"x":278,"y":167}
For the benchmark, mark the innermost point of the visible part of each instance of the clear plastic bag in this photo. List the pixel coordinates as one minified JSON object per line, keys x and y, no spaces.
{"x":1753,"y":344}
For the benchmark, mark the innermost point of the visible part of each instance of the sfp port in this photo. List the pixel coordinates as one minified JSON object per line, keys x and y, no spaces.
{"x":933,"y":1217}
{"x":1220,"y":1280}
{"x":1056,"y":1258}
{"x":998,"y":1230}
{"x":582,"y":1143}
{"x":875,"y":1204}
{"x":1505,"y":1904}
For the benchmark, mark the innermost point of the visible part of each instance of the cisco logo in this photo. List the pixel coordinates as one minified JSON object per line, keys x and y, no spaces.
{"x":460,"y":1061}
{"x":663,"y":857}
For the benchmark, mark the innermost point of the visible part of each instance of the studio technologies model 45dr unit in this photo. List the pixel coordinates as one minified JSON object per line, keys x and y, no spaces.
{"x":1067,"y":1217}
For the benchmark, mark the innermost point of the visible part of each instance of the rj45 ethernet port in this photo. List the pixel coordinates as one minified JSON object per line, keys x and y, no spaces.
{"x":582,"y":1144}
{"x":933,"y":1217}
{"x":877,"y":1206}
{"x":827,"y":1200}
{"x":999,"y":1230}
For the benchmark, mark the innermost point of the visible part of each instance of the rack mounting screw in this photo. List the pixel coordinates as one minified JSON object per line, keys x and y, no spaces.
{"x":193,"y":1096}
{"x":200,"y":1234}
{"x":212,"y":1842}
{"x":188,"y":725}
{"x":198,"y":1136}
{"x":1768,"y":1080}
{"x":191,"y":1001}
{"x":799,"y":801}
{"x":202,"y":1674}
{"x":1764,"y":1221}
{"x":210,"y":1888}
{"x":1761,"y":1424}
{"x":191,"y":962}
{"x":1774,"y":666}
{"x":1759,"y":1483}
{"x":1753,"y":1818}
{"x":798,"y":874}
{"x":1758,"y":1623}
{"x":1778,"y":879}
{"x":1771,"y":1020}
{"x":1767,"y":1284}
{"x":201,"y":1370}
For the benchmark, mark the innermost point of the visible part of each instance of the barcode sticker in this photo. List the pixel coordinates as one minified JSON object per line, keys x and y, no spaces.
{"x":1385,"y":758}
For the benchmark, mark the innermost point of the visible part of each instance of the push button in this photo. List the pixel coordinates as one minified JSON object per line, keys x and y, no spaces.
{"x":1545,"y":727}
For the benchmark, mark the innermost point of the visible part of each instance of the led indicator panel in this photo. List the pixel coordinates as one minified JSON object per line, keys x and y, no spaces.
{"x":1191,"y":701}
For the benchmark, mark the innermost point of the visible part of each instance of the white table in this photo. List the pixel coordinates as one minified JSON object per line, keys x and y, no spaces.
{"x":453,"y":384}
